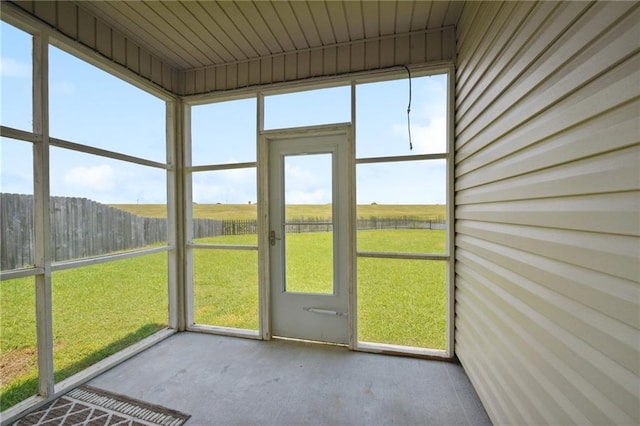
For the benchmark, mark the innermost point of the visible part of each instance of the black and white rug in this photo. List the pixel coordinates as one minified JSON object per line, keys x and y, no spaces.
{"x":86,"y":406}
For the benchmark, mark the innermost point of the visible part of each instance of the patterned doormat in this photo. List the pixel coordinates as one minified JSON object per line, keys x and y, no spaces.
{"x":90,"y":406}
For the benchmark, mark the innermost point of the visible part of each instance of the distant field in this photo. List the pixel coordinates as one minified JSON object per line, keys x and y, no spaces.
{"x":248,"y":211}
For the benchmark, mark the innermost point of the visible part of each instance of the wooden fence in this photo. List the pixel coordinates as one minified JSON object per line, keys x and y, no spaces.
{"x":80,"y":228}
{"x":85,"y":228}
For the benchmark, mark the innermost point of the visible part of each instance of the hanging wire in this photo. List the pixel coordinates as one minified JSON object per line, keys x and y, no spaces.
{"x":409,"y":109}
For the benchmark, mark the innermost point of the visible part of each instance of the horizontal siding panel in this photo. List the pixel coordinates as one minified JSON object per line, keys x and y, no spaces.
{"x":614,"y":255}
{"x":590,"y":137}
{"x":606,"y":92}
{"x":566,"y":365}
{"x":507,"y":363}
{"x":613,"y":172}
{"x":485,"y":55}
{"x":575,"y":68}
{"x":618,"y":299}
{"x":529,"y":43}
{"x":547,"y":195}
{"x":613,"y":339}
{"x":501,"y":55}
{"x":617,"y":213}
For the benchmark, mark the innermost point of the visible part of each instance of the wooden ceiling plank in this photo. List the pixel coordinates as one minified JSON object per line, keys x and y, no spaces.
{"x":247,"y":27}
{"x":225,"y":45}
{"x":197,"y":33}
{"x":268,"y":12}
{"x":219,"y":15}
{"x":387,"y":17}
{"x":160,"y":29}
{"x":370,"y":19}
{"x":454,"y":10}
{"x":140,"y":31}
{"x":338,"y":21}
{"x":308,"y":26}
{"x":355,"y":22}
{"x":252,"y":15}
{"x":404,"y":14}
{"x":438,"y":12}
{"x":421,"y":11}
{"x":322,"y":21}
{"x":292,"y":24}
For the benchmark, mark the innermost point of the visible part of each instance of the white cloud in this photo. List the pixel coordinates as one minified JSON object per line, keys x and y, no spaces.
{"x":98,"y":178}
{"x":10,"y":67}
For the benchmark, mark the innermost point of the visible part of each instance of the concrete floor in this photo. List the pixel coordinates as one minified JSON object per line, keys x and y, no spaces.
{"x":232,"y":381}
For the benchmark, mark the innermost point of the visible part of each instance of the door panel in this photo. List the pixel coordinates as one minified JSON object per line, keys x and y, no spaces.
{"x":309,"y":236}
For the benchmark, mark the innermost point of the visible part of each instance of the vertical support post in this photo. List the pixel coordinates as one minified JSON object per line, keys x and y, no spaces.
{"x":175,"y":268}
{"x":353,"y":229}
{"x":44,"y":317}
{"x":262,"y":174}
{"x":451,"y":234}
{"x":187,"y":217}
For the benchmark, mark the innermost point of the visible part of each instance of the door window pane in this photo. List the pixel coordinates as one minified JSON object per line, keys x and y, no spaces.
{"x":309,"y":238}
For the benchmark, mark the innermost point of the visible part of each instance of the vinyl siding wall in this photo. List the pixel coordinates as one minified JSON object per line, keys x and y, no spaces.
{"x":547,"y":192}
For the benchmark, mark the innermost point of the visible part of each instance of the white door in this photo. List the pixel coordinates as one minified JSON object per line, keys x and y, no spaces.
{"x":311,"y":255}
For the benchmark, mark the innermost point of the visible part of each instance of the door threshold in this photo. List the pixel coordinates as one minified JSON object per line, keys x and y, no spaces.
{"x":317,"y":342}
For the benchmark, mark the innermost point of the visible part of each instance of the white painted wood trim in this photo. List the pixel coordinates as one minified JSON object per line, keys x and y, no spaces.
{"x":451,"y":208}
{"x":296,"y":132}
{"x":175,"y":266}
{"x":390,"y":255}
{"x":214,"y":167}
{"x":20,"y":273}
{"x":225,"y":331}
{"x":42,"y":228}
{"x":262,"y":176}
{"x":105,"y":153}
{"x":401,"y":158}
{"x":186,"y":202}
{"x":70,"y":264}
{"x":223,"y":246}
{"x":352,"y":226}
{"x":19,"y":135}
{"x":386,"y":349}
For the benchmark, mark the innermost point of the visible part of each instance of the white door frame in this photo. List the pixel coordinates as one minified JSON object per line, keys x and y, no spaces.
{"x":263,"y":218}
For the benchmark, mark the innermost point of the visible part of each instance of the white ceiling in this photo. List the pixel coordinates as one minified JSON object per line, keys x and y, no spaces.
{"x":194,"y":34}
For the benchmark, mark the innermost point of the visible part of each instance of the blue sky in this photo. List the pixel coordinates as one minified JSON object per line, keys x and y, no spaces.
{"x":119,"y":117}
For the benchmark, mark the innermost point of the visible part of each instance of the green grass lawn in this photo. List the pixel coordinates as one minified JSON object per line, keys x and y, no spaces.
{"x":294,"y":211}
{"x":97,"y":311}
{"x":101,"y":309}
{"x":400,"y":301}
